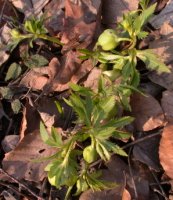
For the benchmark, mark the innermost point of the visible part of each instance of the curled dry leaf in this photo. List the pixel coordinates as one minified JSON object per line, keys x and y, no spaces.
{"x":147,"y":112}
{"x":166,"y":150}
{"x":57,"y":75}
{"x":19,"y":162}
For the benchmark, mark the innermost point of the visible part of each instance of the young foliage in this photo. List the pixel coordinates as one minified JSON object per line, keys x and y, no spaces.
{"x":93,"y":112}
{"x":32,"y":29}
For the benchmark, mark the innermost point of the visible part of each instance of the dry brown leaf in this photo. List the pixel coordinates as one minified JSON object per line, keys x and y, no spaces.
{"x":31,"y":120}
{"x":56,"y":76}
{"x":126,"y":195}
{"x":167,"y":104}
{"x":164,"y":16}
{"x":29,"y":7}
{"x":113,"y":10}
{"x":18,"y":162}
{"x":80,"y":22}
{"x":164,"y":48}
{"x":55,"y":14}
{"x":147,"y":112}
{"x":92,"y":79}
{"x":147,"y":152}
{"x":166,"y":150}
{"x":39,"y":78}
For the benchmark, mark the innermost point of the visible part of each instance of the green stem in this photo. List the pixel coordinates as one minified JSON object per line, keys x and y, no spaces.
{"x":68,"y":193}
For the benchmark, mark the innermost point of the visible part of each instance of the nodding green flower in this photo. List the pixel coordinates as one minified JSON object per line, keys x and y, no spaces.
{"x":108,"y":40}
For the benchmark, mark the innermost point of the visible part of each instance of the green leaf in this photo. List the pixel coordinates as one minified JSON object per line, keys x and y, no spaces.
{"x":141,"y":35}
{"x":59,"y":107}
{"x":43,"y":132}
{"x":13,"y":72}
{"x":143,"y":18}
{"x":118,"y":123}
{"x":121,"y":134}
{"x":36,"y":61}
{"x":16,"y":106}
{"x":152,"y":61}
{"x":144,"y":4}
{"x":104,"y":133}
{"x":6,"y":93}
{"x":56,"y":136}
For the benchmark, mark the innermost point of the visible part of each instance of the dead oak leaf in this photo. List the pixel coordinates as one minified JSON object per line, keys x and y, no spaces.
{"x":147,"y":112}
{"x":166,"y":150}
{"x":80,"y":23}
{"x":19,"y":162}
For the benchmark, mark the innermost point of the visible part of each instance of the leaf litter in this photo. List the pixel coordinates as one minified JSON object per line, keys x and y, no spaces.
{"x":78,"y":23}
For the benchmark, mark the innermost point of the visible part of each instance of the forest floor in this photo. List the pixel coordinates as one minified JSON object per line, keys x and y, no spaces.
{"x":34,"y":76}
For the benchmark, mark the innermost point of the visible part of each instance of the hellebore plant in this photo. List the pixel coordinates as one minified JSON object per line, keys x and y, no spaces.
{"x":33,"y":29}
{"x":96,"y":127}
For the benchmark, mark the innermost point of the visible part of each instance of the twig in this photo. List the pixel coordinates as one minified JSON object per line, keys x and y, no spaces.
{"x":12,"y":188}
{"x":131,"y":174}
{"x":21,"y":184}
{"x":155,"y":190}
{"x":158,"y":183}
{"x":2,"y":11}
{"x":141,"y":139}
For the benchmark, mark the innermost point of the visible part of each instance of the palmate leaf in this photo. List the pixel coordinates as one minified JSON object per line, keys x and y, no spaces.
{"x":143,"y":18}
{"x":118,"y":123}
{"x":59,"y":174}
{"x":152,"y":61}
{"x":113,"y":148}
{"x":53,"y":140}
{"x":79,"y":106}
{"x":97,"y":185}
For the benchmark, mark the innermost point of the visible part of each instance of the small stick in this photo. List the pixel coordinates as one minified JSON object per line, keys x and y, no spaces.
{"x":131,"y":174}
{"x":2,"y":11}
{"x":158,"y":183}
{"x":12,"y":188}
{"x":141,"y":139}
{"x":21,"y":184}
{"x":155,"y":190}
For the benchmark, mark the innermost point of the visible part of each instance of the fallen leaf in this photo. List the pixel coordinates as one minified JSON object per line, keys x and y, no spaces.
{"x":19,"y":162}
{"x":166,"y":150}
{"x":164,"y":16}
{"x":92,"y":79}
{"x":126,"y":195}
{"x":167,"y":104}
{"x":55,"y":12}
{"x":147,"y":112}
{"x":80,"y":22}
{"x":38,"y":78}
{"x":29,"y":7}
{"x":164,"y":47}
{"x":147,"y":152}
{"x":113,"y":10}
